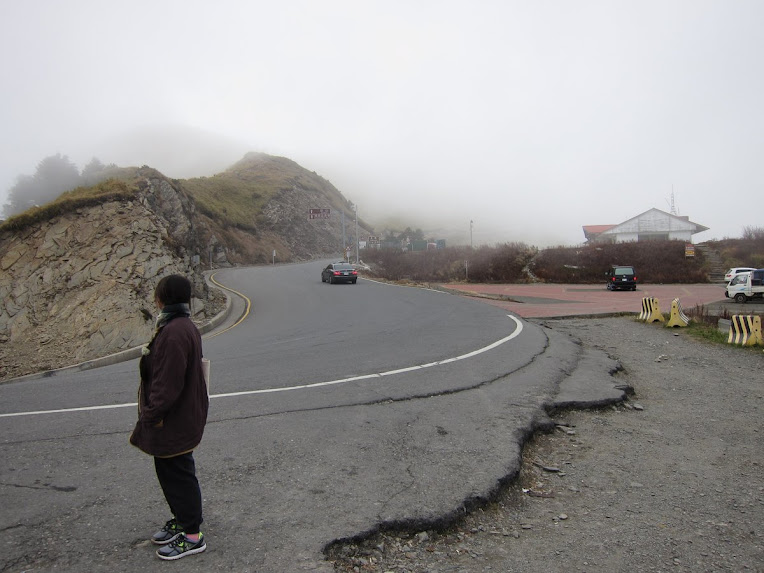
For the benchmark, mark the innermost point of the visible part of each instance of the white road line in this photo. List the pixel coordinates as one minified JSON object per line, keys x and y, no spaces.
{"x":491,"y":346}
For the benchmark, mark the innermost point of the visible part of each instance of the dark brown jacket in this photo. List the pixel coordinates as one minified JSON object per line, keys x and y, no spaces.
{"x":172,"y":399}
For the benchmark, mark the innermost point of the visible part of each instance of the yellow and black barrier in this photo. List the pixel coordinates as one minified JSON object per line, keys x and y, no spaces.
{"x":645,"y":309}
{"x":651,"y":310}
{"x":678,"y":317}
{"x":745,"y":330}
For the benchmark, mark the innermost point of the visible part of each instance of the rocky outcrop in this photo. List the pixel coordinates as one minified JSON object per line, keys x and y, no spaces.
{"x":80,"y":285}
{"x":286,"y":215}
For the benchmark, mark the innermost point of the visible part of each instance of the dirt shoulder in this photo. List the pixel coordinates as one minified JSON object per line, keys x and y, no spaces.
{"x":670,"y":480}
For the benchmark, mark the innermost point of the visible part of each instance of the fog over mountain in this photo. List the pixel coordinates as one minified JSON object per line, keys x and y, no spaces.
{"x":177,"y":151}
{"x":528,"y":119}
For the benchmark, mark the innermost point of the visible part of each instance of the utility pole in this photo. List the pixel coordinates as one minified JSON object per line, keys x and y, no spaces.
{"x":344,"y":243}
{"x":467,"y":262}
{"x":355,"y":208}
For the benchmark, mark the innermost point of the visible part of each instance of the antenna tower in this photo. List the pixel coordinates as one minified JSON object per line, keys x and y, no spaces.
{"x":673,"y":205}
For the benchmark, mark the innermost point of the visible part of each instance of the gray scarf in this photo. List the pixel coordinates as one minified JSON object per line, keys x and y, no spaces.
{"x":169,"y":312}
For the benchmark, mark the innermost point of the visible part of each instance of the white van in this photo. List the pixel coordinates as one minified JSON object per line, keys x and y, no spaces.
{"x":746,"y":285}
{"x":730,"y":274}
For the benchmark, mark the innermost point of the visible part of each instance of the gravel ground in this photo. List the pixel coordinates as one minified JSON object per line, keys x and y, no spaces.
{"x":669,"y":481}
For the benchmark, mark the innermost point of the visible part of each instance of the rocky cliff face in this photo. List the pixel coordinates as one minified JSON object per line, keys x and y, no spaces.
{"x":81,"y":285}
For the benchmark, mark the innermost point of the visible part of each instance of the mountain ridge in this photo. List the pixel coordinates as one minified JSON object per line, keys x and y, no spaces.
{"x":77,"y":275}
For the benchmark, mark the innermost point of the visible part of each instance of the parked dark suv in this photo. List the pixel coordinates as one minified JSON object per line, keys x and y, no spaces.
{"x":621,"y":277}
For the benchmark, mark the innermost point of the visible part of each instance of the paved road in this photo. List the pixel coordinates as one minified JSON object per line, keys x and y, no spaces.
{"x":336,"y":410}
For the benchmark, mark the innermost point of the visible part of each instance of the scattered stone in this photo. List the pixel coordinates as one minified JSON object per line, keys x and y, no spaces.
{"x":546,"y":468}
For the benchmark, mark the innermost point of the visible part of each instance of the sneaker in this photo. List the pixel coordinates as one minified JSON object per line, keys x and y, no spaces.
{"x":181,"y":547}
{"x":170,"y":532}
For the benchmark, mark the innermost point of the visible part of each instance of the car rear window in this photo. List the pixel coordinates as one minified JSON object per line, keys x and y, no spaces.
{"x":624,"y":271}
{"x":343,"y":267}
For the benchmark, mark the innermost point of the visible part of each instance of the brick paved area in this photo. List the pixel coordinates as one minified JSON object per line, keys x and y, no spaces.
{"x":554,"y":300}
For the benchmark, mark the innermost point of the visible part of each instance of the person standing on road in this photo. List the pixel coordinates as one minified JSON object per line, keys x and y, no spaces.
{"x":172,"y":412}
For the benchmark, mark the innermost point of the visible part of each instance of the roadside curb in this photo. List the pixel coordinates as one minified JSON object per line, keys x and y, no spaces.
{"x":474,"y":294}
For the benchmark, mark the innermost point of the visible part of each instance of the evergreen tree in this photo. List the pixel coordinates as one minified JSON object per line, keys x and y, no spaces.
{"x":54,"y":175}
{"x":21,"y":196}
{"x":92,"y":172}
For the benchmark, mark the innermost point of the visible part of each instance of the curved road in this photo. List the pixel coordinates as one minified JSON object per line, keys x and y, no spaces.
{"x":336,"y":409}
{"x":347,"y":344}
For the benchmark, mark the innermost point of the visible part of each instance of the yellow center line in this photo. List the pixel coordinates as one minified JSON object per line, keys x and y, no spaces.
{"x":246,"y":310}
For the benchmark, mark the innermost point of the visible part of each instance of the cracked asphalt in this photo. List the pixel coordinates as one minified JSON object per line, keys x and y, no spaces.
{"x":285,"y":480}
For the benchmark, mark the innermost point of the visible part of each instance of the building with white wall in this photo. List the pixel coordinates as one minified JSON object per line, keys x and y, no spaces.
{"x":651,"y":225}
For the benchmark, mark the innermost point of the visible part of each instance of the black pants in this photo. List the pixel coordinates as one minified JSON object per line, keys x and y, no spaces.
{"x":177,"y":476}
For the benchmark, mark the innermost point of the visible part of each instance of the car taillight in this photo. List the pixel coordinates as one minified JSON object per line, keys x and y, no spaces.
{"x":337,"y":273}
{"x":354,"y":272}
{"x":635,"y":278}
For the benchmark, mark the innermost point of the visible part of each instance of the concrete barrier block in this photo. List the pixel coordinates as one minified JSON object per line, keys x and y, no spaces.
{"x":678,"y":317}
{"x":745,"y":330}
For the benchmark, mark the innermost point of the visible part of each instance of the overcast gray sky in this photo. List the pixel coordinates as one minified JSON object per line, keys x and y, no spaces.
{"x":530,"y":118}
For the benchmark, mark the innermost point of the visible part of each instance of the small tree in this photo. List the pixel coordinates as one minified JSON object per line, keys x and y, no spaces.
{"x":21,"y":196}
{"x":91,"y":173}
{"x":753,"y":233}
{"x":54,"y":175}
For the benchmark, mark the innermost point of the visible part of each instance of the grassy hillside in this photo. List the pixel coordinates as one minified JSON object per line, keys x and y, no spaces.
{"x":258,"y":205}
{"x":236,"y":197}
{"x":232,"y":198}
{"x":123,"y":187}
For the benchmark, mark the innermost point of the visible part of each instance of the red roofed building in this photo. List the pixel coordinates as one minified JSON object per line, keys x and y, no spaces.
{"x":591,"y":232}
{"x":651,"y":225}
